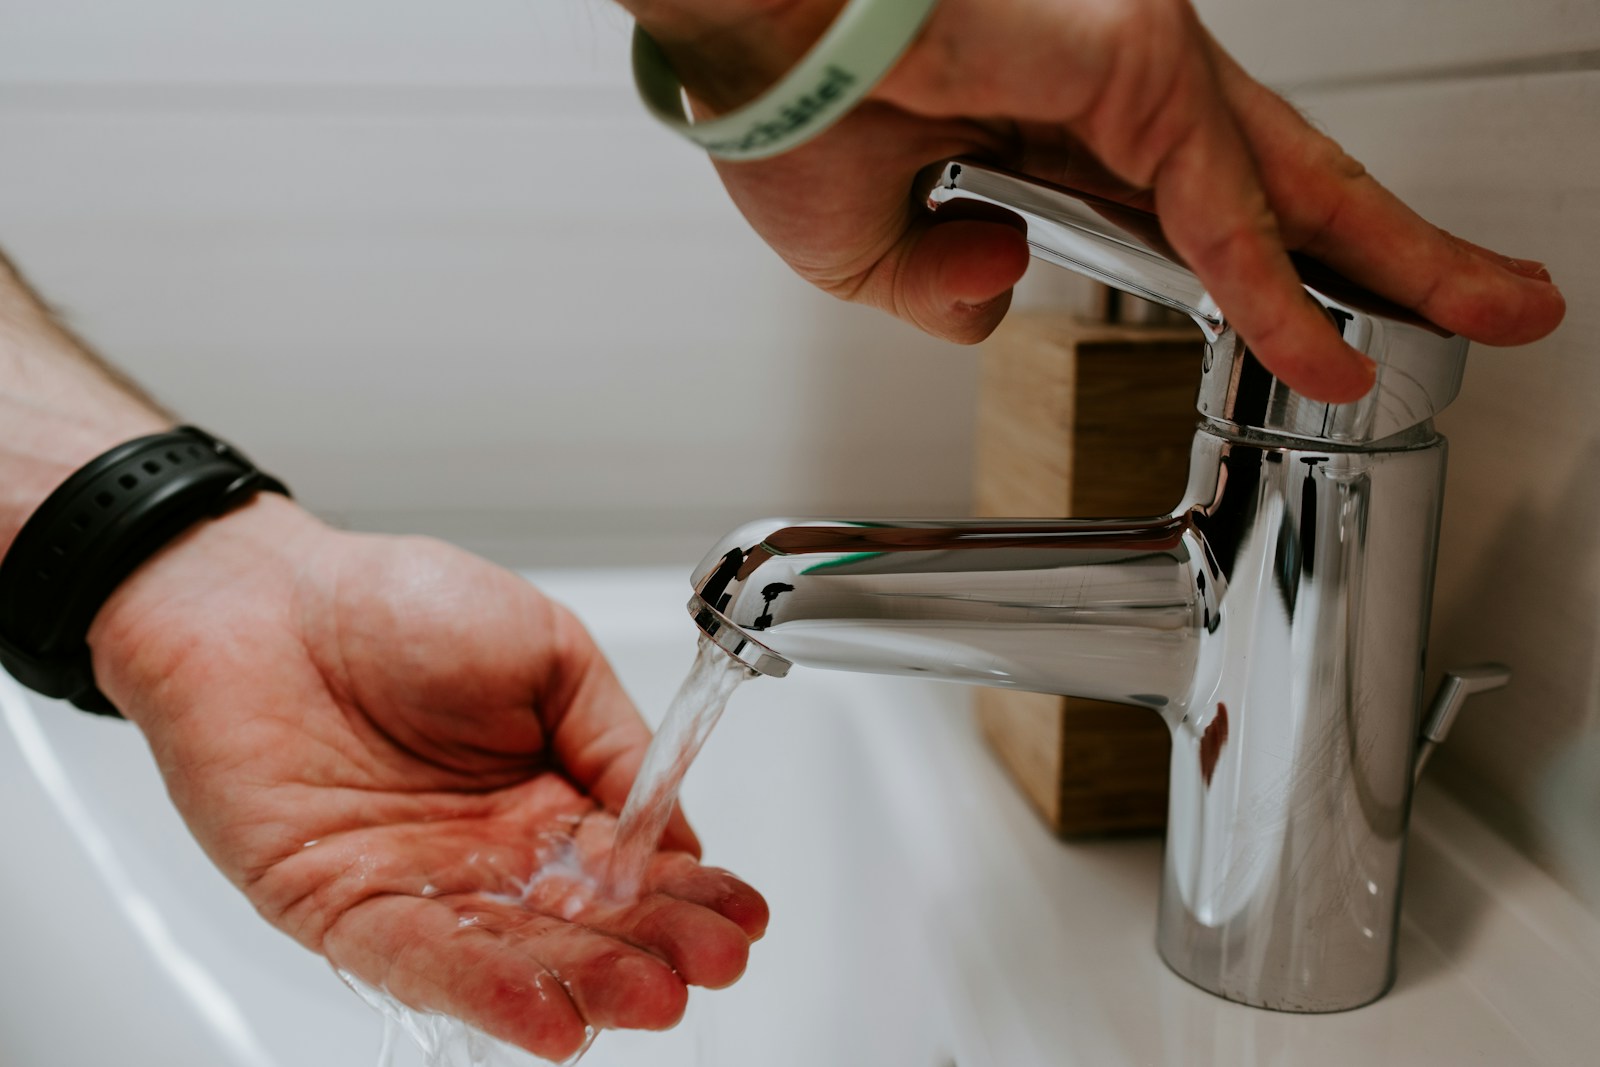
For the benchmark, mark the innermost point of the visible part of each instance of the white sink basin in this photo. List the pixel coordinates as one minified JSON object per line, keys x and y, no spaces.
{"x":921,"y":914}
{"x":786,"y":794}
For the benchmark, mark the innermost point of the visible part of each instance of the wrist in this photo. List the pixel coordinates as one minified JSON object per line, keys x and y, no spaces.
{"x":218,"y":581}
{"x":42,"y":447}
{"x":688,"y":19}
{"x":726,"y":52}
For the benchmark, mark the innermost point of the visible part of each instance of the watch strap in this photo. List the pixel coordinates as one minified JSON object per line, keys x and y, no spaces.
{"x":98,"y":526}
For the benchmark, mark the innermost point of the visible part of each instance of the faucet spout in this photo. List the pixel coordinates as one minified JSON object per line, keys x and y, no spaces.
{"x":988,"y":603}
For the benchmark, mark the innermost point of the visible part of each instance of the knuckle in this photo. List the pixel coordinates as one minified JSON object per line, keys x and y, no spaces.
{"x":1222,"y":250}
{"x":1137,"y":17}
{"x":1329,"y":157}
{"x":1336,"y":178}
{"x":1153,"y":95}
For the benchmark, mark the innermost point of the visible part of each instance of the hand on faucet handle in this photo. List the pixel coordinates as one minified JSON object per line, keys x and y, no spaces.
{"x":1132,"y":100}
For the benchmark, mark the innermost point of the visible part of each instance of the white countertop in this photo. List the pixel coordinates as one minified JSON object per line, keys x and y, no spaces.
{"x":922,"y":915}
{"x":1048,"y":948}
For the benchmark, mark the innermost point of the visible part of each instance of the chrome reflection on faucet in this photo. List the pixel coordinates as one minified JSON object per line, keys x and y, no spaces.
{"x":1276,"y":618}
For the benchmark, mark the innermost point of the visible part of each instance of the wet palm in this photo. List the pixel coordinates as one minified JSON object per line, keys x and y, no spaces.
{"x":382,"y":742}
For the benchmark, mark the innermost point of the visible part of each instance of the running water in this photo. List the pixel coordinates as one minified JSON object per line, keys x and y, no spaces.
{"x":688,"y":722}
{"x":443,"y":1041}
{"x":694,"y":711}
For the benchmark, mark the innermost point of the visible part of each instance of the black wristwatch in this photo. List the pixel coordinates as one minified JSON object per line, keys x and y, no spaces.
{"x":91,"y":533}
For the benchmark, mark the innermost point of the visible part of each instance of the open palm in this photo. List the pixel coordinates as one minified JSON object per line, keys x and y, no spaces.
{"x":410,"y":761}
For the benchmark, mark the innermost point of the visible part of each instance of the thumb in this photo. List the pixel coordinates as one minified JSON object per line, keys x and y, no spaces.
{"x":953,"y":278}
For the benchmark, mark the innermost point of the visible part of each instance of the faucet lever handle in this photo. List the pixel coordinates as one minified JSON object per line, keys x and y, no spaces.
{"x":1419,"y":365}
{"x":1457,"y":686}
{"x":1112,"y":243}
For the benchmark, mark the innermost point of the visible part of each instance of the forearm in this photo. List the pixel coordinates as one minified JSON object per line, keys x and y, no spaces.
{"x":60,"y":406}
{"x":681,"y":19}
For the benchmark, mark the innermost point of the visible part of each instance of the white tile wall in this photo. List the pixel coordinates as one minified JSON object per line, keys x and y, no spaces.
{"x":1307,"y":42}
{"x":433,"y":266}
{"x":318,"y":42}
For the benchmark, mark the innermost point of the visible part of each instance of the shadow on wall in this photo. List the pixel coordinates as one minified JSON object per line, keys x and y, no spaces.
{"x":1542,"y":564}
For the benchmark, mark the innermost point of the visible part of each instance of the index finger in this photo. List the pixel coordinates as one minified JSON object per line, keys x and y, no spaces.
{"x":1328,"y":205}
{"x":1215,"y":212}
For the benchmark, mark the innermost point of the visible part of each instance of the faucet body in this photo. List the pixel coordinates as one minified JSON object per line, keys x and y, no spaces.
{"x":1276,"y":618}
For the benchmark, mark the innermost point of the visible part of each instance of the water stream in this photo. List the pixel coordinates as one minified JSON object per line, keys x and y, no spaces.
{"x":690,"y":718}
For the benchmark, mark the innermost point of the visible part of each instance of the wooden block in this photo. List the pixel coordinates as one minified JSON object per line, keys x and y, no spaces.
{"x":1091,"y":420}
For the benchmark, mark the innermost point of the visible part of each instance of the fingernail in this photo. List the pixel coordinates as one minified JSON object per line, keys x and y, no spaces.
{"x":1369,"y":372}
{"x":1531,"y":269}
{"x":1527,"y":268}
{"x":1363,"y":375}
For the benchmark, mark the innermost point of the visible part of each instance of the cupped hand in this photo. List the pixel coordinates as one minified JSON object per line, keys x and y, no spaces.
{"x":1129,"y":99}
{"x":410,"y":761}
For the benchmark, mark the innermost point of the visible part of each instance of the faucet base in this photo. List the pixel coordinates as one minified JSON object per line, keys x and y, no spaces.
{"x":1291,"y":764}
{"x":1206,"y":964}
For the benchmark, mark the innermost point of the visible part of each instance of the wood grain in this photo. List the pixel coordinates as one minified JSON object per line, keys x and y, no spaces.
{"x":1089,"y":420}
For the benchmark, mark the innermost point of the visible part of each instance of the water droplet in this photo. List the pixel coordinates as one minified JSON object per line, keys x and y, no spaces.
{"x":561,"y":883}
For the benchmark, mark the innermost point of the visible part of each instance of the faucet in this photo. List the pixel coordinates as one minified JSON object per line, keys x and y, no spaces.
{"x":1276,"y":618}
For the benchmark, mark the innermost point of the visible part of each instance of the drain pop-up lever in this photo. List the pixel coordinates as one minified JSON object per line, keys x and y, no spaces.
{"x":1457,"y":686}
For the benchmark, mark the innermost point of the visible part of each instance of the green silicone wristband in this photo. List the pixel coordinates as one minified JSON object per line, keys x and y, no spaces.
{"x":861,"y":46}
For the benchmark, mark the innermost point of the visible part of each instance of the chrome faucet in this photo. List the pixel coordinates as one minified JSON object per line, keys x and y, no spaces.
{"x":1277,"y":618}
